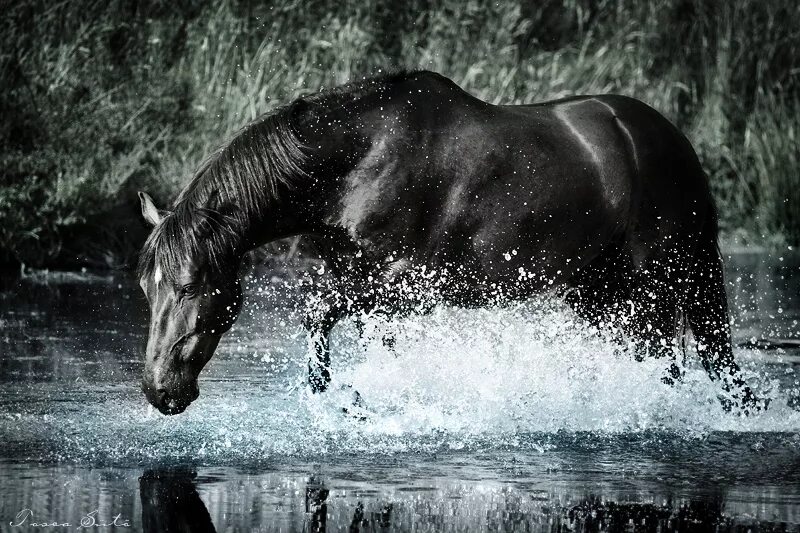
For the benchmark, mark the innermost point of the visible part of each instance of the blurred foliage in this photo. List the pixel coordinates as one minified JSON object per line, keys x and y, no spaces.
{"x":100,"y":99}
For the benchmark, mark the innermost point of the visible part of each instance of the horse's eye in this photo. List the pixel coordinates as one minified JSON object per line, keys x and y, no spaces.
{"x":190,"y":289}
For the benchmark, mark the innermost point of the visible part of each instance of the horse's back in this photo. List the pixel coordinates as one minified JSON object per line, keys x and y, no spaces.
{"x":499,"y":188}
{"x":640,"y":153}
{"x":543,"y":187}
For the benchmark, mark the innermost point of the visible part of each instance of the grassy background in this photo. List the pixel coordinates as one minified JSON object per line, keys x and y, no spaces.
{"x":100,"y":99}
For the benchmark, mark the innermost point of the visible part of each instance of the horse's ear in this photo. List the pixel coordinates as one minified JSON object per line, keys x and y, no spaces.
{"x":150,"y":212}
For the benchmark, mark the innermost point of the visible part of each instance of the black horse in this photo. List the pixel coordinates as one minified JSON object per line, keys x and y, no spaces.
{"x":405,"y":178}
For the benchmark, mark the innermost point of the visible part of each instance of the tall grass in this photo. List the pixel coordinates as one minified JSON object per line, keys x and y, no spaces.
{"x":102,"y":99}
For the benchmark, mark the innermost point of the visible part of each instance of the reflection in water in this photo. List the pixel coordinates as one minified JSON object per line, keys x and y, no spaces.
{"x":316,"y":505}
{"x":170,"y":502}
{"x":594,"y":514}
{"x":379,"y":521}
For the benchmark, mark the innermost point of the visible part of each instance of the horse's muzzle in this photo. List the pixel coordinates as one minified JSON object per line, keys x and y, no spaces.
{"x":171,"y":402}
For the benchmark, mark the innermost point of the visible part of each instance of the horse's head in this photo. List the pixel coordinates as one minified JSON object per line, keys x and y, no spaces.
{"x":189,"y":273}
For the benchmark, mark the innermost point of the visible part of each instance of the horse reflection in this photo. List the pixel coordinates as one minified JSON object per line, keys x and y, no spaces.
{"x":170,"y":502}
{"x":383,"y":518}
{"x":317,"y":509}
{"x":594,"y":514}
{"x":316,"y":505}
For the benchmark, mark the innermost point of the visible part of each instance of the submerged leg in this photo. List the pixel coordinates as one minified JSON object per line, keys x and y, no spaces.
{"x":653,"y":323}
{"x":658,"y":321}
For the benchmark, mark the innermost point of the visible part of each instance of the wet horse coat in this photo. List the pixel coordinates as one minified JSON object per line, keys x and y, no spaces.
{"x":600,"y":195}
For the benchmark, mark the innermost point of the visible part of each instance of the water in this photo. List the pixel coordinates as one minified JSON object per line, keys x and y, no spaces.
{"x":515,"y":419}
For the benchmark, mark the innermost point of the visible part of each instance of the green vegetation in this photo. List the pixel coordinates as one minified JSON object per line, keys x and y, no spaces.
{"x":101,"y":99}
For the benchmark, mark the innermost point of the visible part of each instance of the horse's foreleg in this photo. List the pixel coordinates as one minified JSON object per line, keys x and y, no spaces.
{"x":319,"y":322}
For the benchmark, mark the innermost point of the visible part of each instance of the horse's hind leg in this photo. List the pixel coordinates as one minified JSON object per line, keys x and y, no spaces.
{"x":600,"y":289}
{"x":707,"y":311}
{"x":653,"y":317}
{"x":615,"y":295}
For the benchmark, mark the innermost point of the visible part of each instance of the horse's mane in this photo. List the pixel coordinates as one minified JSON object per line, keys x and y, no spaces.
{"x":248,"y":172}
{"x":187,"y":233}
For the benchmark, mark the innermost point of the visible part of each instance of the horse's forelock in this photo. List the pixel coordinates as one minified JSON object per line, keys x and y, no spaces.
{"x":187,"y":234}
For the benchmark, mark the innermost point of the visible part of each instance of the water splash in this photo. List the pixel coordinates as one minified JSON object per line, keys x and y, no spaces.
{"x":535,"y":367}
{"x":526,"y":377}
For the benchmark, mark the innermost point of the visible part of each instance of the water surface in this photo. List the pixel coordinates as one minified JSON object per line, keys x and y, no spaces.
{"x":518,"y":418}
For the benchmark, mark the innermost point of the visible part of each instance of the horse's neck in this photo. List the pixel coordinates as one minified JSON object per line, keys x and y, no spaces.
{"x":295,"y":211}
{"x":332,"y":148}
{"x":275,"y":221}
{"x":303,"y":207}
{"x":255,"y":224}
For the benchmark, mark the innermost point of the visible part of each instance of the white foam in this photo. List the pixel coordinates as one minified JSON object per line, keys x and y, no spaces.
{"x":530,"y":368}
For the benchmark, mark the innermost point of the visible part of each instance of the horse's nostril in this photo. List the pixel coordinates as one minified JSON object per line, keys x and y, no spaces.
{"x":162,"y":396}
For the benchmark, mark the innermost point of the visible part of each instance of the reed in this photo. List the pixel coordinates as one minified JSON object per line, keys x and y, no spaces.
{"x":102,"y":99}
